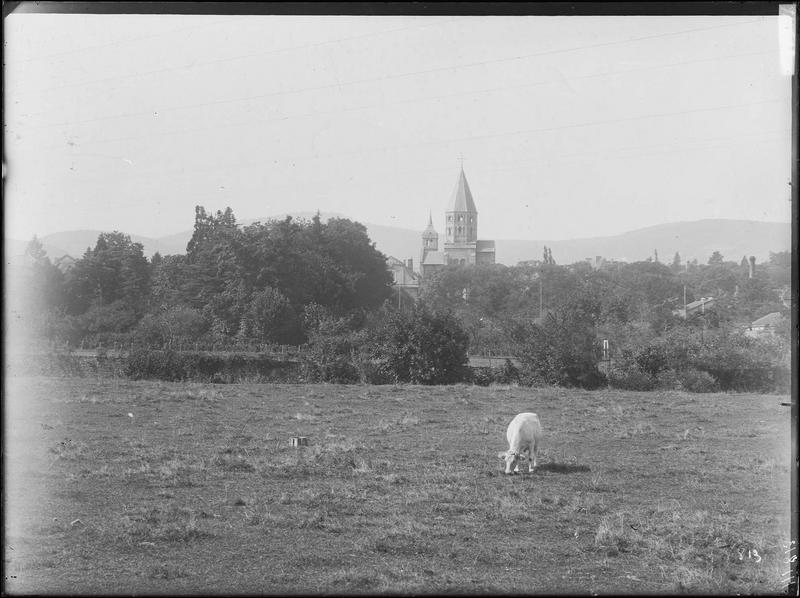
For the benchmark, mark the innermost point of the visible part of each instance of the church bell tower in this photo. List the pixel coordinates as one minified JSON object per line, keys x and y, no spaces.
{"x":462,"y":223}
{"x":430,"y":240}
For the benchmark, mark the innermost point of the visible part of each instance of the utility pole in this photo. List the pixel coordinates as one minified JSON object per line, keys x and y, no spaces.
{"x":541,"y":303}
{"x":684,"y":302}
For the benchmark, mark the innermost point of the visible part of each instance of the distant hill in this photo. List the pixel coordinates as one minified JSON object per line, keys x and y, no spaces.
{"x":693,"y":240}
{"x":76,"y":242}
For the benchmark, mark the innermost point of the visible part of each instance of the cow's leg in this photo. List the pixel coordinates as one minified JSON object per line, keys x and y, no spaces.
{"x":532,"y":461}
{"x":509,"y":462}
{"x":524,"y":454}
{"x":516,"y":462}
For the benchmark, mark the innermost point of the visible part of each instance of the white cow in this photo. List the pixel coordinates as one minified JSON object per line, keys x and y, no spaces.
{"x":524,"y":434}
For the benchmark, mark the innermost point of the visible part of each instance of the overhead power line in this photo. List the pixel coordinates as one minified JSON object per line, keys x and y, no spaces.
{"x":252,"y":123}
{"x":617,"y":153}
{"x":371,"y":178}
{"x":260,"y":163}
{"x":109,"y":45}
{"x":374,"y":79}
{"x":195,"y":65}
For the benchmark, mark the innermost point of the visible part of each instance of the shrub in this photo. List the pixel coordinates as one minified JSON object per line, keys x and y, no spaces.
{"x":668,"y":380}
{"x":172,"y":327}
{"x":508,"y":374}
{"x":703,"y":361}
{"x":203,"y":366}
{"x":269,"y":317}
{"x":739,"y":363}
{"x":651,"y":359}
{"x":693,"y":380}
{"x":422,"y":347}
{"x":627,"y":376}
{"x":371,"y":371}
{"x":483,"y":376}
{"x":561,"y":348}
{"x":333,"y":353}
{"x":114,"y":317}
{"x":159,"y":365}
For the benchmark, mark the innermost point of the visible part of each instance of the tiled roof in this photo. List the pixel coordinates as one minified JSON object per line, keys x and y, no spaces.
{"x":769,"y":320}
{"x":699,"y":303}
{"x":434,"y":258}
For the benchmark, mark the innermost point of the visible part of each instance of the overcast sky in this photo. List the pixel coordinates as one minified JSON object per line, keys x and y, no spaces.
{"x":567,"y":126}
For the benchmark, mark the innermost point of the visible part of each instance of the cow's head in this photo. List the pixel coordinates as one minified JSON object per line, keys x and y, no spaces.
{"x":511,"y":459}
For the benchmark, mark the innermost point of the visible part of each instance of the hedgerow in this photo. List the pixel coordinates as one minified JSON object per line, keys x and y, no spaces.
{"x":200,"y":366}
{"x":699,"y":360}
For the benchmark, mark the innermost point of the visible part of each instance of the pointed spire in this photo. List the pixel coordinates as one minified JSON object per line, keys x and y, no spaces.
{"x":429,"y":230}
{"x":461,"y":200}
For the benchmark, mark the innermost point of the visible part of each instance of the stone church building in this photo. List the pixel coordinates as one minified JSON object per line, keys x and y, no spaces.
{"x":461,"y":243}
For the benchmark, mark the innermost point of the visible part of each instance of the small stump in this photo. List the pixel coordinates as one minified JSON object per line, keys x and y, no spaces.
{"x":299,"y":441}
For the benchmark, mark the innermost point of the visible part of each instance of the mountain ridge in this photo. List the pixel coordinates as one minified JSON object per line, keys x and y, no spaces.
{"x":696,"y":239}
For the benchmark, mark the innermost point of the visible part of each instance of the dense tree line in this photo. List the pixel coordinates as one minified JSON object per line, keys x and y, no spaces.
{"x":234,"y":284}
{"x":555,"y":319}
{"x":325,"y":285}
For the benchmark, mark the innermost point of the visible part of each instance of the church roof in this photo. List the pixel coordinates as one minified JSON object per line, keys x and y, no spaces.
{"x":429,"y":230}
{"x":435,"y":258}
{"x":393,"y":261}
{"x":461,"y":201}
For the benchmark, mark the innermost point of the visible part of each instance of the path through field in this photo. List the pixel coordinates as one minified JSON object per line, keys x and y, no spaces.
{"x":116,"y":486}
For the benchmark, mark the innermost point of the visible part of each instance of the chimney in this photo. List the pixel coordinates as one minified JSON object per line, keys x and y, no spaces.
{"x":752,"y":266}
{"x":410,"y":264}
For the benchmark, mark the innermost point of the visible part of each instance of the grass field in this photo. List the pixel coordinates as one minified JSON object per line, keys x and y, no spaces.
{"x":116,"y":486}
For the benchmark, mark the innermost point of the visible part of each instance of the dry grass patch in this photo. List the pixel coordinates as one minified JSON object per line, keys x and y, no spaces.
{"x":219,"y":502}
{"x":330,"y":457}
{"x":639,"y":429}
{"x":405,"y":421}
{"x":701,"y":551}
{"x":231,"y":459}
{"x":158,"y":525}
{"x":70,"y":450}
